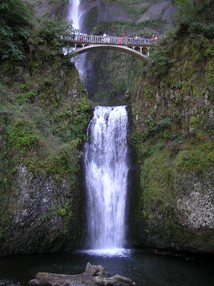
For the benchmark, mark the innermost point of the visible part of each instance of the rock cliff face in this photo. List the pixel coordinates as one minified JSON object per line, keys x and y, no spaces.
{"x":124,"y":11}
{"x":111,"y":12}
{"x":172,"y":111}
{"x":162,"y":10}
{"x":44,"y":114}
{"x":48,"y":7}
{"x":176,"y":207}
{"x":38,"y":209}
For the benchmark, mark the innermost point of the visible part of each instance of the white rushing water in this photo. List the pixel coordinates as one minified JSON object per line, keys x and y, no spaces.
{"x":74,"y":13}
{"x":106,"y":165}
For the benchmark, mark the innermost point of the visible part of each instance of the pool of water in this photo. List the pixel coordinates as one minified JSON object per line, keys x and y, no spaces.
{"x":144,"y":267}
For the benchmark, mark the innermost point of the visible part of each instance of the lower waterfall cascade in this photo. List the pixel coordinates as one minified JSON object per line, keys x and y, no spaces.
{"x":106,"y":168}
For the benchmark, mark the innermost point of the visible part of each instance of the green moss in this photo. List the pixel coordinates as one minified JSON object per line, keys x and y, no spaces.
{"x":21,"y":136}
{"x":156,"y":210}
{"x":70,"y":124}
{"x":65,"y":210}
{"x":80,"y":117}
{"x":209,"y":72}
{"x":62,"y":212}
{"x":156,"y":178}
{"x":135,"y":138}
{"x":148,"y":91}
{"x":26,"y":97}
{"x":147,"y":151}
{"x":197,"y":158}
{"x":54,"y":211}
{"x":194,"y":121}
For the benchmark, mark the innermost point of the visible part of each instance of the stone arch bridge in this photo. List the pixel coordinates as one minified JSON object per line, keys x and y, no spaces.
{"x":137,"y":46}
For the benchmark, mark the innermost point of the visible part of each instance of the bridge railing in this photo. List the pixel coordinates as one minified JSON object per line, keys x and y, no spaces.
{"x":94,"y":39}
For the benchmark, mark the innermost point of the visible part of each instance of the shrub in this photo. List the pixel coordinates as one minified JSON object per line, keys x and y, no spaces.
{"x":26,"y":97}
{"x":15,"y":28}
{"x":21,"y":136}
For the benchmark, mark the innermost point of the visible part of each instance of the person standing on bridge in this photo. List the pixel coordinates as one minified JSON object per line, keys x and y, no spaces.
{"x":104,"y":37}
{"x":125,"y":39}
{"x":119,"y":40}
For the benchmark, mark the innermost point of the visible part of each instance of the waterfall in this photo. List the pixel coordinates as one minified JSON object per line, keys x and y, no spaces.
{"x":106,"y":167}
{"x":73,"y":13}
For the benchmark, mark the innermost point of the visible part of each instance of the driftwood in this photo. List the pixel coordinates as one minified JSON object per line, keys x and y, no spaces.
{"x":93,"y":275}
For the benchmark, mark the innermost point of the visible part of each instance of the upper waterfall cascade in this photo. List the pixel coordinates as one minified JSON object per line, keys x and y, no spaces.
{"x":74,"y":13}
{"x":106,"y":165}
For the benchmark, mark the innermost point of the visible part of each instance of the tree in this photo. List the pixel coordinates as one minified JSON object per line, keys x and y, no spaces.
{"x":45,"y":40}
{"x":15,"y":26}
{"x":187,"y":10}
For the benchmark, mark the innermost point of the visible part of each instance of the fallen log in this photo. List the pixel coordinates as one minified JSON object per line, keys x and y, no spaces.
{"x":93,"y":275}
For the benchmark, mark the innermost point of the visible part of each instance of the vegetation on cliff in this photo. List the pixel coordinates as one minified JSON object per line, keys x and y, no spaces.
{"x":44,"y":113}
{"x":15,"y":26}
{"x":173,"y":135}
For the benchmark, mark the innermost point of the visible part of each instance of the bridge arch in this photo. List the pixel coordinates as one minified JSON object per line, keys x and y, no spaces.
{"x":121,"y":48}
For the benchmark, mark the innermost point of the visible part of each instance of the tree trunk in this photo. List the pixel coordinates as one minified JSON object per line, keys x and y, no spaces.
{"x":93,"y":275}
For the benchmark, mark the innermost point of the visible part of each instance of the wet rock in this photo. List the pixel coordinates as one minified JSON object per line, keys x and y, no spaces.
{"x":163,"y":10}
{"x":38,"y":215}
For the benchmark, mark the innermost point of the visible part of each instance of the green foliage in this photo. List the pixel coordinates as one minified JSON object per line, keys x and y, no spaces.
{"x":21,"y":136}
{"x":209,"y":73}
{"x":148,"y":91}
{"x":26,"y":97}
{"x":135,"y":138}
{"x":71,"y":123}
{"x":52,"y":29}
{"x":187,"y":10}
{"x":161,"y":59}
{"x":165,"y":123}
{"x":15,"y":28}
{"x":65,"y":162}
{"x":53,"y":211}
{"x":149,"y":150}
{"x":196,"y":158}
{"x":35,"y":98}
{"x":129,"y":28}
{"x":45,"y":40}
{"x":194,"y":121}
{"x":190,"y":17}
{"x":204,"y":29}
{"x":156,"y":174}
{"x":155,"y":127}
{"x":80,"y":117}
{"x":62,"y":212}
{"x":20,"y":39}
{"x":153,"y":134}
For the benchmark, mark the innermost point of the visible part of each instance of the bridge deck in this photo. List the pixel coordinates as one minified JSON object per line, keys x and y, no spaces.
{"x":93,"y":39}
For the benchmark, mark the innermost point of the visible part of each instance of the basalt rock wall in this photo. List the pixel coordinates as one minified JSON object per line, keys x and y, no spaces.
{"x":44,"y":113}
{"x":125,"y":11}
{"x":173,"y":120}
